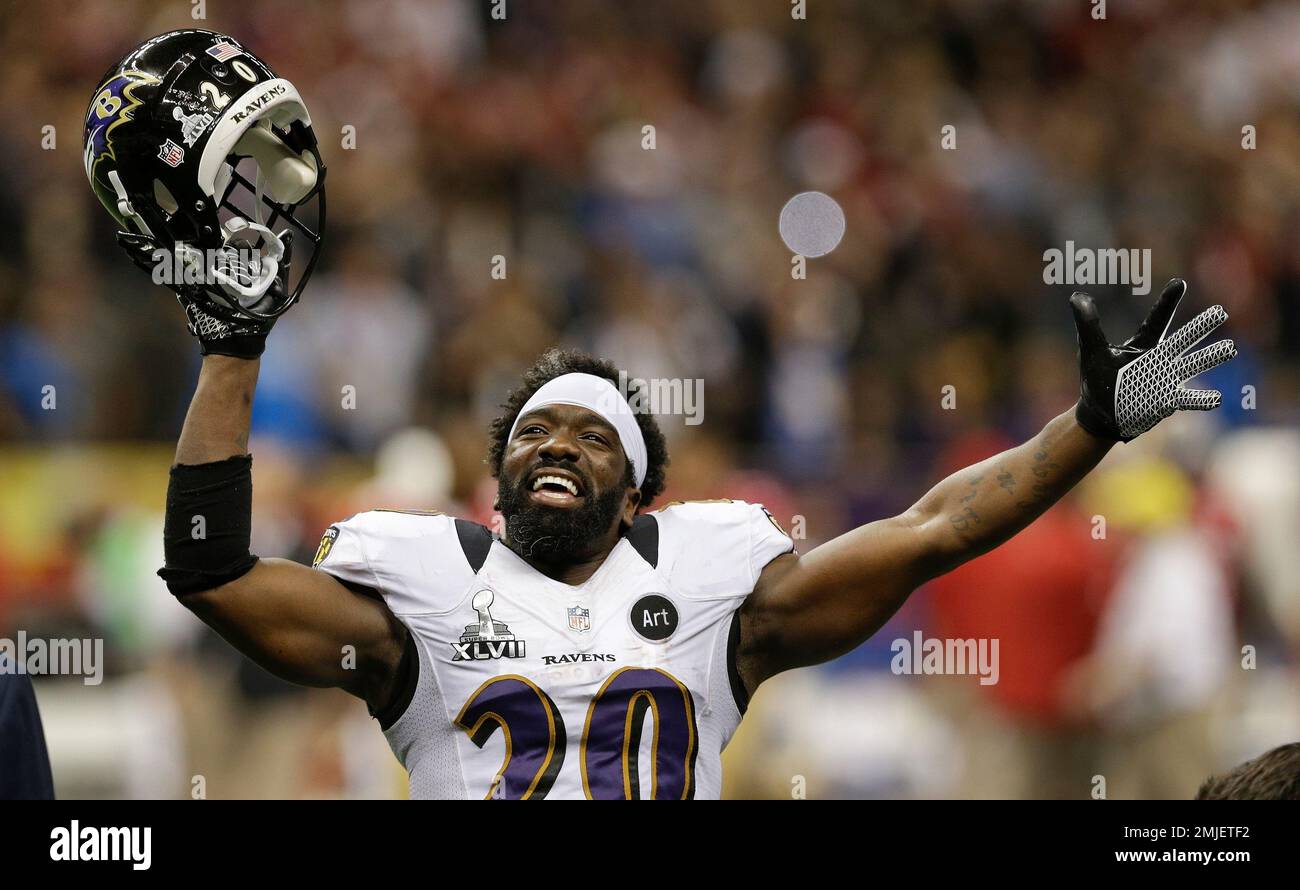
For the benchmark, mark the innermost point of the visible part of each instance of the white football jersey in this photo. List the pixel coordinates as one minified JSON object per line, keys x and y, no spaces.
{"x":621,"y":687}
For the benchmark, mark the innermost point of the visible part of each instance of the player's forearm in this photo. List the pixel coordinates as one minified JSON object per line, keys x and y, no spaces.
{"x":980,"y":507}
{"x":216,"y":425}
{"x":207,"y":525}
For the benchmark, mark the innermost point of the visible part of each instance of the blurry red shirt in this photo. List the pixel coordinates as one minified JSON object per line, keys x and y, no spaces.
{"x":1040,"y":595}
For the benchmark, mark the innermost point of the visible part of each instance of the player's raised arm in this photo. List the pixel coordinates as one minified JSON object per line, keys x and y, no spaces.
{"x":292,"y":620}
{"x":224,"y":242}
{"x":805,"y":610}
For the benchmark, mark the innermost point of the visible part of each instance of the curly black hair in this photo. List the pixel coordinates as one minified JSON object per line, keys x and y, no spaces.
{"x":554,"y":363}
{"x":1274,"y":775}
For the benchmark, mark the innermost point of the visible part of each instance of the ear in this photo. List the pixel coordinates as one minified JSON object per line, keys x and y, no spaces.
{"x":630,"y":503}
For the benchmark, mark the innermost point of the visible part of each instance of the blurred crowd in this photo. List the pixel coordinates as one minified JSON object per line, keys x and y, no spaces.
{"x":453,"y":138}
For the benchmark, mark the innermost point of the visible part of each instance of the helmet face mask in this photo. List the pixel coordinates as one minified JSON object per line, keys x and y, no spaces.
{"x":191,"y":140}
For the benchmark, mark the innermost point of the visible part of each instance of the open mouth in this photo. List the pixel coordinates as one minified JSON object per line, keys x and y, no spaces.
{"x":556,"y":489}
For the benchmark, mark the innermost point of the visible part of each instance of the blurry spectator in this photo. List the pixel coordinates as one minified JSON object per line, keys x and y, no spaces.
{"x":1039,"y":595}
{"x":1164,"y":655}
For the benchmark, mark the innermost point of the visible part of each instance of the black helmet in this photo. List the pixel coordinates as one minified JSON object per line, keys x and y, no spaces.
{"x":194,"y":145}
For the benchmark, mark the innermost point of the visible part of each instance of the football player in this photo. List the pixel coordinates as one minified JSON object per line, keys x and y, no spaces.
{"x":595,"y":648}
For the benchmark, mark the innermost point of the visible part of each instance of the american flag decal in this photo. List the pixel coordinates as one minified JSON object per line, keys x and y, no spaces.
{"x":223,"y":50}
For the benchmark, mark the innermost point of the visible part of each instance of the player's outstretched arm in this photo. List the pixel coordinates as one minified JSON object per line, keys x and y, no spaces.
{"x":811,"y":608}
{"x":292,"y":620}
{"x":805,"y":610}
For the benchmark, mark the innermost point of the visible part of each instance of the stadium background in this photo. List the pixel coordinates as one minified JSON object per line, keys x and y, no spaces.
{"x":1120,"y":656}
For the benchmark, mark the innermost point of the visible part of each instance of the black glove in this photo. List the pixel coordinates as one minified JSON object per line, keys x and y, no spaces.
{"x":1128,"y":389}
{"x":244,"y":338}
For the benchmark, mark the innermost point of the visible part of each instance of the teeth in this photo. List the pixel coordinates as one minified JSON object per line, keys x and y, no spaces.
{"x":567,"y":484}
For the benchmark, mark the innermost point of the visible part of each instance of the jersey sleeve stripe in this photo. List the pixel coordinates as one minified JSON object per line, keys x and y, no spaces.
{"x":644,"y":538}
{"x":733,"y":673}
{"x":408,"y":677}
{"x":475,"y":542}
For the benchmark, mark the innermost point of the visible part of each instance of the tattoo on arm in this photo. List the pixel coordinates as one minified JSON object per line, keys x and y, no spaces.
{"x":965,"y":519}
{"x":1007,"y":482}
{"x":1039,"y":491}
{"x":974,"y":489}
{"x":1031,"y":478}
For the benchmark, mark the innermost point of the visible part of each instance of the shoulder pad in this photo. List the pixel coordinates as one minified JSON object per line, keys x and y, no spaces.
{"x":418,"y":562}
{"x":717,"y":548}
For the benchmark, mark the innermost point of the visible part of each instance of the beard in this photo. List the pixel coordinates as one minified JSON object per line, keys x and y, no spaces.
{"x":554,"y":533}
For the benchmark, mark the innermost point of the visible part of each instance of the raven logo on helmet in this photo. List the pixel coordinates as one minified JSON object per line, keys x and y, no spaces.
{"x":248,"y":179}
{"x":112,"y":106}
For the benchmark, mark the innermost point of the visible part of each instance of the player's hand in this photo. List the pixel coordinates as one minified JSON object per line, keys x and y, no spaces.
{"x":241,"y":338}
{"x":1129,"y":388}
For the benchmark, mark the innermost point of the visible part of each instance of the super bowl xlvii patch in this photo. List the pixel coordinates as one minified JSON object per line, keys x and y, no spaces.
{"x":192,"y":125}
{"x":486,"y":638}
{"x":172,"y":154}
{"x":326,"y":544}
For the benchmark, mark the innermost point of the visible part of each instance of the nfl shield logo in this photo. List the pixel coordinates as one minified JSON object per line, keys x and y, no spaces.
{"x":171,"y":153}
{"x":579,"y":618}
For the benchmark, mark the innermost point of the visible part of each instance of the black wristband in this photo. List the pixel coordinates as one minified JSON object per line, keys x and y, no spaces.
{"x":208,"y":525}
{"x":248,"y":346}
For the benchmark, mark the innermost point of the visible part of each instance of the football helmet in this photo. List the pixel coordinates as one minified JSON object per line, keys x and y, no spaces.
{"x":196,"y":148}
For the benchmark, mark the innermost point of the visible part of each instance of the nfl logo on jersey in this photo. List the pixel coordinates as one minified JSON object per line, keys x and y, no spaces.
{"x":579,"y":618}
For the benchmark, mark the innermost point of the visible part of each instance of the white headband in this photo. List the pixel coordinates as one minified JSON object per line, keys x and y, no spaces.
{"x":600,"y":396}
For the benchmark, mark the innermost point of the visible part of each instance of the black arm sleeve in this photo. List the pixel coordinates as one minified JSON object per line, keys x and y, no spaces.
{"x":208,"y":526}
